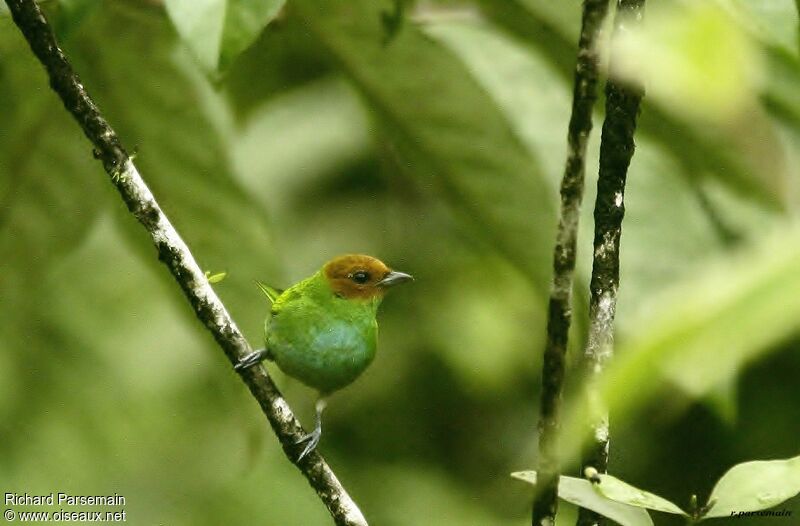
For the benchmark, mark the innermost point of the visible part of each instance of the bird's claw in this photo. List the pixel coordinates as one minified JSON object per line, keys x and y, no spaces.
{"x":251,"y":359}
{"x":312,"y":440}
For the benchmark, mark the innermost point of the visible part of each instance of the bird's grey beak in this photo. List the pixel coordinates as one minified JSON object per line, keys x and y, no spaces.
{"x":394,"y":278}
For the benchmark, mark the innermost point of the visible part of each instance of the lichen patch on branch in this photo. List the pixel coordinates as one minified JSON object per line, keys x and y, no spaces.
{"x":616,"y":150}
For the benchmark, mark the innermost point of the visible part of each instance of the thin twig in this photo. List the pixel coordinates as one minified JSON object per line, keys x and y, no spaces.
{"x":616,"y":150}
{"x":174,"y":253}
{"x":560,"y":307}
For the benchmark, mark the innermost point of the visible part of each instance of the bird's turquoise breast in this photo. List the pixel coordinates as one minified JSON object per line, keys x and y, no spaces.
{"x":322,"y":347}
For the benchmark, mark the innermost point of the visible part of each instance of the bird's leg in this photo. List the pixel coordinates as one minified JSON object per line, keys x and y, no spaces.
{"x":313,"y":437}
{"x":252,"y":359}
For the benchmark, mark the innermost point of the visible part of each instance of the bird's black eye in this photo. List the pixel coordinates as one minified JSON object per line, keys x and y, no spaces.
{"x":360,"y":276}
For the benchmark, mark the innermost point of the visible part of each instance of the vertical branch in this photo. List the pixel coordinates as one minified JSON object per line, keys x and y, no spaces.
{"x":560,"y":308}
{"x":175,"y":254}
{"x":616,"y":151}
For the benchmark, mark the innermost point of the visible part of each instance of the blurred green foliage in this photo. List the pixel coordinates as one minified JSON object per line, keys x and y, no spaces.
{"x":437,"y":148}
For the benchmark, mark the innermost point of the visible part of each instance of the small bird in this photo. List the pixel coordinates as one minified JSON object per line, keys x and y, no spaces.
{"x":323,"y":330}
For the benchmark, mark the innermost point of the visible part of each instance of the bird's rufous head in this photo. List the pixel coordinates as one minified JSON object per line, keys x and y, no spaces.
{"x":356,"y":276}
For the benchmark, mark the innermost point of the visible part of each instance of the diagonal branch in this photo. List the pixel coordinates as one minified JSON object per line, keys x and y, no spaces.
{"x":560,"y":307}
{"x":616,"y":150}
{"x":174,"y":253}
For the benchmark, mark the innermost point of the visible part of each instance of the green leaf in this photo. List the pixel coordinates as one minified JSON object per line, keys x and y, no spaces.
{"x":448,"y":132}
{"x":215,"y":278}
{"x":737,"y":309}
{"x":244,"y":21}
{"x":620,"y":491}
{"x":218,"y":30}
{"x":703,"y":154}
{"x":200,"y":24}
{"x":323,"y":127}
{"x":739,"y":312}
{"x":671,"y":55}
{"x":773,"y":21}
{"x":754,"y":486}
{"x":742,"y":309}
{"x":522,"y":85}
{"x":581,"y":493}
{"x":704,"y":330}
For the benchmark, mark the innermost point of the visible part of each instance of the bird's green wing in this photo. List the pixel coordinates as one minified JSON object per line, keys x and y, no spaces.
{"x":270,"y":292}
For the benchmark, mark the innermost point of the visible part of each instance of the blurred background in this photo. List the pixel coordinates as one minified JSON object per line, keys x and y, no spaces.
{"x":432,"y":135}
